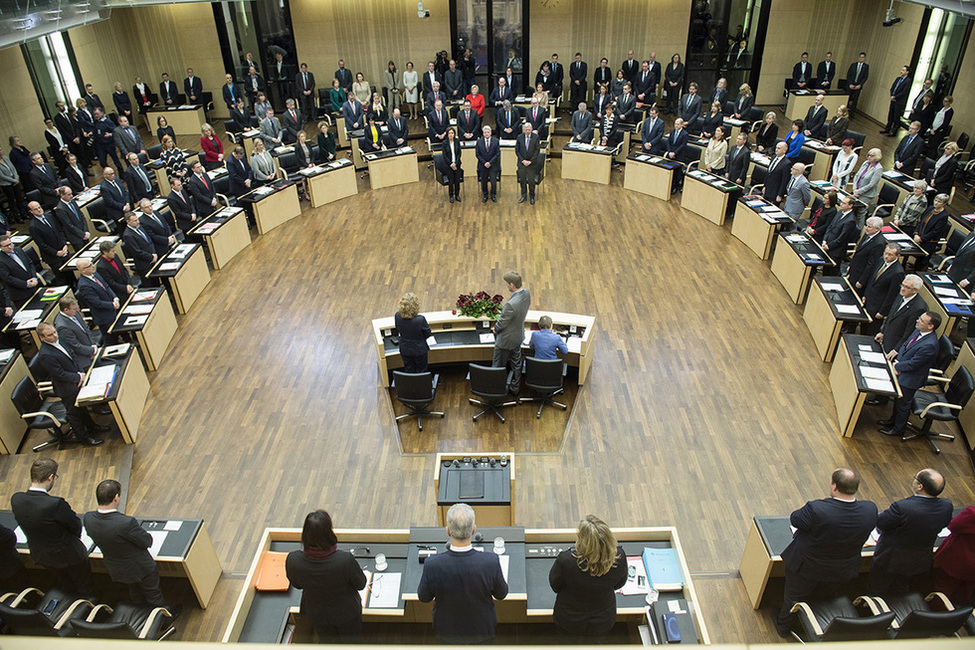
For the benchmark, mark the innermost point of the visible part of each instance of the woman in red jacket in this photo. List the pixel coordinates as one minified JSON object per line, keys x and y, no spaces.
{"x":956,"y":559}
{"x":477,"y":100}
{"x":212,"y":147}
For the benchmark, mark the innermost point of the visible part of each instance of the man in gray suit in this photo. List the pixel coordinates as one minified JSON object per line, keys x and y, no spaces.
{"x":270,"y":130}
{"x":74,"y":334}
{"x":797,"y":192}
{"x":582,"y":124}
{"x":127,"y":138}
{"x":509,"y":331}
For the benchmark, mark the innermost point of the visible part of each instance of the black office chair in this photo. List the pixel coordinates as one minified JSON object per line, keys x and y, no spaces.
{"x":729,"y":107}
{"x":125,"y":621}
{"x":754,"y":114}
{"x":288,"y":162}
{"x":857,"y":138}
{"x":807,"y":157}
{"x":96,"y":211}
{"x":155,"y":151}
{"x":47,"y":274}
{"x":221,"y":187}
{"x":31,"y":620}
{"x":324,"y":103}
{"x":41,"y":414}
{"x":942,"y":259}
{"x":839,"y":620}
{"x":417,"y":390}
{"x":544,"y":378}
{"x":916,"y":619}
{"x":759,"y":174}
{"x":34,"y":195}
{"x":886,"y":202}
{"x":946,"y":354}
{"x":491,"y":385}
{"x":944,"y":407}
{"x":440,"y":172}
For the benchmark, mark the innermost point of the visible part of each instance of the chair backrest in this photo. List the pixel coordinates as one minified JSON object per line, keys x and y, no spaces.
{"x":961,"y":387}
{"x":857,"y":137}
{"x":543,"y":374}
{"x":116,"y":630}
{"x":729,"y":107}
{"x":37,"y":371}
{"x":288,"y":162}
{"x":754,"y":114}
{"x":222,"y":185}
{"x":96,"y":209}
{"x":25,"y":397}
{"x":816,"y":204}
{"x":918,"y":624}
{"x":26,"y":622}
{"x":155,"y":151}
{"x":692,"y":152}
{"x":413,"y":386}
{"x":230,"y":127}
{"x":962,"y":141}
{"x":888,"y":193}
{"x":926,"y":166}
{"x":946,"y":352}
{"x":955,"y":238}
{"x":34,"y":195}
{"x":759,"y":174}
{"x":438,"y":167}
{"x":806,"y":156}
{"x":488,"y":382}
{"x":844,"y":628}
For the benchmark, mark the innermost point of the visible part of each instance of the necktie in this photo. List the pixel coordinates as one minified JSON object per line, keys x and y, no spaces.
{"x":17,"y":259}
{"x":304,"y":79}
{"x":99,"y":282}
{"x":791,"y":183}
{"x":231,"y":87}
{"x":909,"y":141}
{"x":203,"y":177}
{"x":859,"y":68}
{"x":772,"y":166}
{"x":141,"y":234}
{"x":294,"y":117}
{"x":145,"y":179}
{"x":917,"y":335}
{"x":115,"y":185}
{"x":881,"y":270}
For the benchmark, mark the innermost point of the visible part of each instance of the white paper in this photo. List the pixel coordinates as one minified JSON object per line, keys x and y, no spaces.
{"x":27,"y":314}
{"x":19,"y":534}
{"x":364,"y":592}
{"x":872,"y":357}
{"x":85,"y":539}
{"x":830,"y":286}
{"x":878,"y":385}
{"x":487,"y":337}
{"x":505,"y":561}
{"x":633,"y":585}
{"x":431,"y":341}
{"x":947,"y":292}
{"x":158,"y":537}
{"x":939,"y":278}
{"x":173,"y":525}
{"x":134,"y":320}
{"x":574,"y":343}
{"x":138,"y":309}
{"x":384,"y":591}
{"x":896,"y":236}
{"x":944,"y":532}
{"x":848,"y":309}
{"x":961,"y":302}
{"x":874,"y":373}
{"x":169,"y":266}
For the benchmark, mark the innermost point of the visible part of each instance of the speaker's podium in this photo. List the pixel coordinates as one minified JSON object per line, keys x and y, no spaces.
{"x":484,"y":481}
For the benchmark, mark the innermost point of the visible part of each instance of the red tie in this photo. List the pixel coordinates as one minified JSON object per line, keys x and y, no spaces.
{"x":203,"y":177}
{"x":293,"y":116}
{"x":913,"y":339}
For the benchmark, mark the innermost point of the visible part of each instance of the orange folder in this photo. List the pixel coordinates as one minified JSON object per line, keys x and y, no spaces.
{"x":271,"y":576}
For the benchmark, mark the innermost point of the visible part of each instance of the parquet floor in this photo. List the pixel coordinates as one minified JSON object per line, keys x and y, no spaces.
{"x":705,"y":405}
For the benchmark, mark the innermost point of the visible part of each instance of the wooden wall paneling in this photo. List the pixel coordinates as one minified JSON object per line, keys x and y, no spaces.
{"x":964,"y":95}
{"x":20,"y":113}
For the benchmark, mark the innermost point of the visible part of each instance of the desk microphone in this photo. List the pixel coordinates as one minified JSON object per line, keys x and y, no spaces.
{"x":478,"y":537}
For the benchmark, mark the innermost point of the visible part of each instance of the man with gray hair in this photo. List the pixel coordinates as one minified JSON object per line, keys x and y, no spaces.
{"x":868,"y":252}
{"x":796,"y":192}
{"x":900,"y":321}
{"x":880,"y":292}
{"x":509,"y":330}
{"x":463,"y":583}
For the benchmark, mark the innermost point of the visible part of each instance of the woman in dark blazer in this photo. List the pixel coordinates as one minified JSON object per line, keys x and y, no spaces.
{"x":164,"y":129}
{"x":584,"y":579}
{"x":303,"y":151}
{"x":326,"y":143}
{"x":767,"y":134}
{"x":450,"y":164}
{"x":122,"y":102}
{"x":822,"y":217}
{"x":673,"y":80}
{"x":932,"y":227}
{"x":743,"y":102}
{"x":330,"y":581}
{"x":836,"y":129}
{"x":712,"y":120}
{"x":413,"y":333}
{"x":942,"y":177}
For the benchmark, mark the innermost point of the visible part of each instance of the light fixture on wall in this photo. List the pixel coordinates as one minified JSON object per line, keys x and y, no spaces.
{"x":420,"y":11}
{"x":891,"y":19}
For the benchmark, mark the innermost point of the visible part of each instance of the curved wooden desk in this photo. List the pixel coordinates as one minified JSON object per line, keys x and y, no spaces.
{"x":459,"y":339}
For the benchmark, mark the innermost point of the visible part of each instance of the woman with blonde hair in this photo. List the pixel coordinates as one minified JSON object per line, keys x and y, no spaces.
{"x":413,"y":333}
{"x":585,"y":578}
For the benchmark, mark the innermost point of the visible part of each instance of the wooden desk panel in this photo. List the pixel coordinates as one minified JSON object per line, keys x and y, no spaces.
{"x":468,"y":160}
{"x":12,"y":427}
{"x":190,"y":281}
{"x":822,"y":324}
{"x":847,"y":397}
{"x":157,"y":333}
{"x":755,"y":566}
{"x":332,"y":186}
{"x":798,"y":105}
{"x":229,"y":239}
{"x":130,"y":401}
{"x":703,"y":199}
{"x":394,"y":170}
{"x":509,"y":162}
{"x":586,"y":166}
{"x":791,"y":270}
{"x":966,"y":418}
{"x":276,"y":209}
{"x":648,"y":179}
{"x":753,"y":231}
{"x":184,"y":122}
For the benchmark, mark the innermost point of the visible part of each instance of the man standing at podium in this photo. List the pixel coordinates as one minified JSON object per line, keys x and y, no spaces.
{"x":463,"y":583}
{"x":509,"y":331}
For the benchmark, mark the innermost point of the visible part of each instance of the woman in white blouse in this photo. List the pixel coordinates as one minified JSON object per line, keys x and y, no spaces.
{"x":410,"y":96}
{"x":361,"y":89}
{"x":262,"y":164}
{"x":845,"y":163}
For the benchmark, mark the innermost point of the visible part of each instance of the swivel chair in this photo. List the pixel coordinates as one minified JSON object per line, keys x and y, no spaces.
{"x":916,"y":619}
{"x":24,"y":620}
{"x":417,"y":390}
{"x":931,"y":406}
{"x":41,"y":414}
{"x":544,"y":378}
{"x":125,"y":621}
{"x":490,"y":384}
{"x":838,"y":620}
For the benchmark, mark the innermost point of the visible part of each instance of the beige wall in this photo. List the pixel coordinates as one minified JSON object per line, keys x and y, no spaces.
{"x":607,"y":28}
{"x":20,"y":114}
{"x":367,"y":34}
{"x":964,"y":96}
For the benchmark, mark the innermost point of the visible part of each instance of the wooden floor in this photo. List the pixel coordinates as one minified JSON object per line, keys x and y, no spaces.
{"x":705,"y":406}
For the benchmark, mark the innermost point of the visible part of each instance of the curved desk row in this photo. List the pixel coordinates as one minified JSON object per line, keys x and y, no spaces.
{"x":462,"y":339}
{"x":261,"y":616}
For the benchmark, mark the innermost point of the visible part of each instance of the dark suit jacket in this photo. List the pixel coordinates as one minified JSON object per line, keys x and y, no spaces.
{"x":899,"y":90}
{"x":118,"y":280}
{"x":626,"y":106}
{"x":490,"y":153}
{"x":675,"y":143}
{"x":77,"y":178}
{"x":183,"y":209}
{"x":585,"y":604}
{"x":536,"y":117}
{"x":900,"y":322}
{"x":291,"y":125}
{"x":630,"y":69}
{"x":63,"y":372}
{"x":777,"y":180}
{"x":230,"y":99}
{"x":798,"y":72}
{"x":737,"y":165}
{"x":851,"y":74}
{"x":168,"y":91}
{"x":719,"y":95}
{"x":73,"y":225}
{"x":468,"y":122}
{"x":815,"y":121}
{"x":864,"y":259}
{"x":158,"y":230}
{"x":582,"y":128}
{"x":122,"y":102}
{"x":137,"y":188}
{"x":203,"y":194}
{"x":932,"y":228}
{"x":498,"y":97}
{"x":914,"y":361}
{"x":114,"y":196}
{"x":124,"y":545}
{"x":98,"y":299}
{"x":76,"y":337}
{"x":46,"y":182}
{"x":194,"y":88}
{"x":602,"y":76}
{"x":463,"y":585}
{"x":526,"y":148}
{"x":438,"y":122}
{"x":578,"y":73}
{"x":945,"y":176}
{"x":445,"y":161}
{"x":690,"y":107}
{"x":52,"y":528}
{"x":398,"y":129}
{"x":645,"y":86}
{"x":963,"y":266}
{"x":881,"y":292}
{"x":907,"y":154}
{"x":239,"y":172}
{"x":352,"y":112}
{"x":507,"y":120}
{"x":105,"y":135}
{"x":15,"y":278}
{"x":826,"y":547}
{"x":329,"y":587}
{"x":344,"y":77}
{"x":824,"y":74}
{"x":49,"y":239}
{"x":908,"y":530}
{"x":10,"y":560}
{"x":743,"y":103}
{"x":140,"y":249}
{"x":840,"y":233}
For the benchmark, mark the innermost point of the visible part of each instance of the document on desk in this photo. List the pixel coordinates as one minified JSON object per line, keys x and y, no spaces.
{"x":135,"y":320}
{"x":830,"y":286}
{"x":138,"y":309}
{"x":142,"y":296}
{"x":486,"y":337}
{"x":961,"y":302}
{"x":384,"y":590}
{"x":158,"y":537}
{"x":946,"y":291}
{"x":27,"y":314}
{"x":872,"y":357}
{"x":364,"y":592}
{"x":207,"y":228}
{"x":637,"y":582}
{"x":85,"y":539}
{"x":574,"y":343}
{"x":169,"y":266}
{"x":874,"y":373}
{"x":939,"y":278}
{"x":431,"y":340}
{"x":847,"y":309}
{"x":878,"y":385}
{"x":19,"y":534}
{"x":897,"y":236}
{"x":5,"y":355}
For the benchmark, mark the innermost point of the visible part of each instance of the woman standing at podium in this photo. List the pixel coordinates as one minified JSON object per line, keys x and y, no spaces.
{"x":329,"y":580}
{"x":585,"y":578}
{"x":413,"y":334}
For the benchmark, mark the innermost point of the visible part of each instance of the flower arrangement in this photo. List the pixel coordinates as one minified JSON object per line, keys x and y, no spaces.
{"x":475,"y":305}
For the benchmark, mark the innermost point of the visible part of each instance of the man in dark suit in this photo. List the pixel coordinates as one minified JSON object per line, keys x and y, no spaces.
{"x":67,"y":128}
{"x":856,"y":76}
{"x":231,"y":92}
{"x":157,"y":227}
{"x":536,"y":116}
{"x":94,"y":292}
{"x":138,"y":246}
{"x":626,"y":105}
{"x":47,"y":235}
{"x":468,"y":122}
{"x":453,"y":82}
{"x":292,"y":121}
{"x":138,"y":181}
{"x":825,"y":72}
{"x":487,"y":150}
{"x":912,"y":363}
{"x":739,"y":159}
{"x":690,"y":105}
{"x":72,"y":222}
{"x":181,"y":205}
{"x":74,"y":334}
{"x":201,"y":189}
{"x":435,"y":93}
{"x":500,"y":94}
{"x":52,"y":528}
{"x":869,"y":251}
{"x":168,"y":94}
{"x":17,"y":272}
{"x":630,"y":67}
{"x":840,"y":233}
{"x":92,"y":99}
{"x":192,"y":87}
{"x":45,"y":181}
{"x":645,"y":86}
{"x":909,"y":149}
{"x":463,"y":584}
{"x":674,"y":145}
{"x":344,"y":77}
{"x":881,"y":289}
{"x":908,"y":530}
{"x":115,"y":197}
{"x":582,"y":128}
{"x":124,"y":545}
{"x":437,"y":123}
{"x":105,"y":139}
{"x":112,"y":270}
{"x":397,"y":130}
{"x":778,"y":177}
{"x":898,"y":101}
{"x":558,"y":76}
{"x":527,"y":147}
{"x":507,"y":120}
{"x":305,"y":88}
{"x":825,"y":550}
{"x":253,"y":84}
{"x":352,"y":112}
{"x":815,"y":122}
{"x":239,"y":170}
{"x":652,"y":133}
{"x":578,"y":85}
{"x":76,"y":175}
{"x":802,"y":72}
{"x":899,"y":322}
{"x":962,"y":269}
{"x":429,"y":78}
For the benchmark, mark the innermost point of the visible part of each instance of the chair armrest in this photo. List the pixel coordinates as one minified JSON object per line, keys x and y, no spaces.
{"x":43,"y":414}
{"x":101,"y":224}
{"x":282,"y":173}
{"x":93,"y":614}
{"x":869,"y":602}
{"x":156,"y":613}
{"x":223,"y":199}
{"x":947,"y":261}
{"x":754,"y":188}
{"x":937,"y":595}
{"x":692,"y":164}
{"x":807,"y":611}
{"x":70,"y":612}
{"x":19,"y":598}
{"x":889,"y":206}
{"x":939,"y":379}
{"x":953,"y":407}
